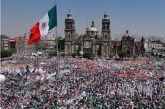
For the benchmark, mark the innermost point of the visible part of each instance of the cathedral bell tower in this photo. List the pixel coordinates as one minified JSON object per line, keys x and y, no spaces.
{"x":105,"y":36}
{"x":69,"y":34}
{"x":69,"y":27}
{"x":105,"y":32}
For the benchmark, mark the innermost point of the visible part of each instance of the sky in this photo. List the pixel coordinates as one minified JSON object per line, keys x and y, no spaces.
{"x":140,"y":17}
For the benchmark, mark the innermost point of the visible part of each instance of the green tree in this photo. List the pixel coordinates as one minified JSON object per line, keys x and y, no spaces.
{"x":74,"y":55}
{"x":51,"y":53}
{"x":88,"y":55}
{"x":122,"y":55}
{"x":6,"y":53}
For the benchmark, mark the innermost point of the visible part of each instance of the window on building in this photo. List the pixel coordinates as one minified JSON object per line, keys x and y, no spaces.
{"x":106,"y":26}
{"x":105,"y":36}
{"x":69,"y":36}
{"x":5,"y":44}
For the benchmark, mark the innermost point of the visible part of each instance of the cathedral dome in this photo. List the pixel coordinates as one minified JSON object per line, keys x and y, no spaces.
{"x":93,"y":28}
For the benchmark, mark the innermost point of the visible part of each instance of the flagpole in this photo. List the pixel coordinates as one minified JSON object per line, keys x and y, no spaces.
{"x":57,"y":52}
{"x":25,"y":41}
{"x":17,"y":46}
{"x":56,"y":41}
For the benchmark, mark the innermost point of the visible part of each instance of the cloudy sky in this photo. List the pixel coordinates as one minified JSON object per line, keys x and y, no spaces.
{"x":140,"y":17}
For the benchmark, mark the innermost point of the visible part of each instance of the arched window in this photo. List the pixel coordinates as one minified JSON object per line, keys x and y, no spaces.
{"x":69,"y":36}
{"x":105,"y":36}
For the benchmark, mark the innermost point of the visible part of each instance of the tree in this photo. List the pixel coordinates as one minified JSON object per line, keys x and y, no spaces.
{"x":122,"y":55}
{"x":74,"y":55}
{"x":88,"y":55}
{"x":6,"y":53}
{"x":51,"y":53}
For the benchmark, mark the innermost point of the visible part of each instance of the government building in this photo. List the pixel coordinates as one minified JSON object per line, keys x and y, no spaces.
{"x":101,"y":45}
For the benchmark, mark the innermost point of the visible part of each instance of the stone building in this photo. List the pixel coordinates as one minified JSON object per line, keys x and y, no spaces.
{"x":18,"y":44}
{"x":4,"y":42}
{"x":13,"y":45}
{"x":155,"y":46}
{"x":102,"y":44}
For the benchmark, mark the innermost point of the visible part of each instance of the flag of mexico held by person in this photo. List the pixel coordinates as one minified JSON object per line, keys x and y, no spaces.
{"x":41,"y":28}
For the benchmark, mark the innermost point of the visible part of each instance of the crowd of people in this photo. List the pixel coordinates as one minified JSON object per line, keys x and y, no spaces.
{"x":82,"y":84}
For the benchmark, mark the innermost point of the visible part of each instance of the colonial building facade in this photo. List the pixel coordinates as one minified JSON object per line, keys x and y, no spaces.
{"x":102,"y":44}
{"x":155,"y":46}
{"x":4,"y":42}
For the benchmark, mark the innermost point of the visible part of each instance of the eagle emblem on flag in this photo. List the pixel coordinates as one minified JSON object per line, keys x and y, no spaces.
{"x":43,"y":25}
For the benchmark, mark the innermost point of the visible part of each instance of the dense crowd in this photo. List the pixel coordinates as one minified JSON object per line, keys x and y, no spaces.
{"x":82,"y":84}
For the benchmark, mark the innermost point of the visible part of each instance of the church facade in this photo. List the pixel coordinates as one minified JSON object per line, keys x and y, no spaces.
{"x":101,"y":45}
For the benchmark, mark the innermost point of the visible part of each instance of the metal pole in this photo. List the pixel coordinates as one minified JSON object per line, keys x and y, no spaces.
{"x":56,"y":42}
{"x":57,"y":52}
{"x":25,"y":42}
{"x":17,"y":46}
{"x":57,"y":47}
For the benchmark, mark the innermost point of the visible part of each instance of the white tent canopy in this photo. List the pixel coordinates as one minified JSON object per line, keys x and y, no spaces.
{"x":40,"y":53}
{"x":42,"y":63}
{"x":2,"y":78}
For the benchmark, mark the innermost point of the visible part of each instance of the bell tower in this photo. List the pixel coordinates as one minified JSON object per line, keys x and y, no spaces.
{"x":106,"y":28}
{"x":69,"y":34}
{"x":105,"y":36}
{"x":69,"y":27}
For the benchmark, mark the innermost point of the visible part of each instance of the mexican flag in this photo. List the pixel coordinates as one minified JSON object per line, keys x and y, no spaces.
{"x":41,"y":28}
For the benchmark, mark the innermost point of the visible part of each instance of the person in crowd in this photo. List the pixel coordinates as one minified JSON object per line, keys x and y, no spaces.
{"x":82,"y":84}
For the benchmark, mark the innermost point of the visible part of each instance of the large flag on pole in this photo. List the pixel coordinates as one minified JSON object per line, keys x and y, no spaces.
{"x":41,"y":28}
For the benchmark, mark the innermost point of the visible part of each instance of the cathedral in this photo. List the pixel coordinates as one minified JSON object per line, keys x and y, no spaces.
{"x":101,"y":45}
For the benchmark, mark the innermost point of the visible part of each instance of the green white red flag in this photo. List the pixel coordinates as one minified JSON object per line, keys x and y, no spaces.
{"x":41,"y":28}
